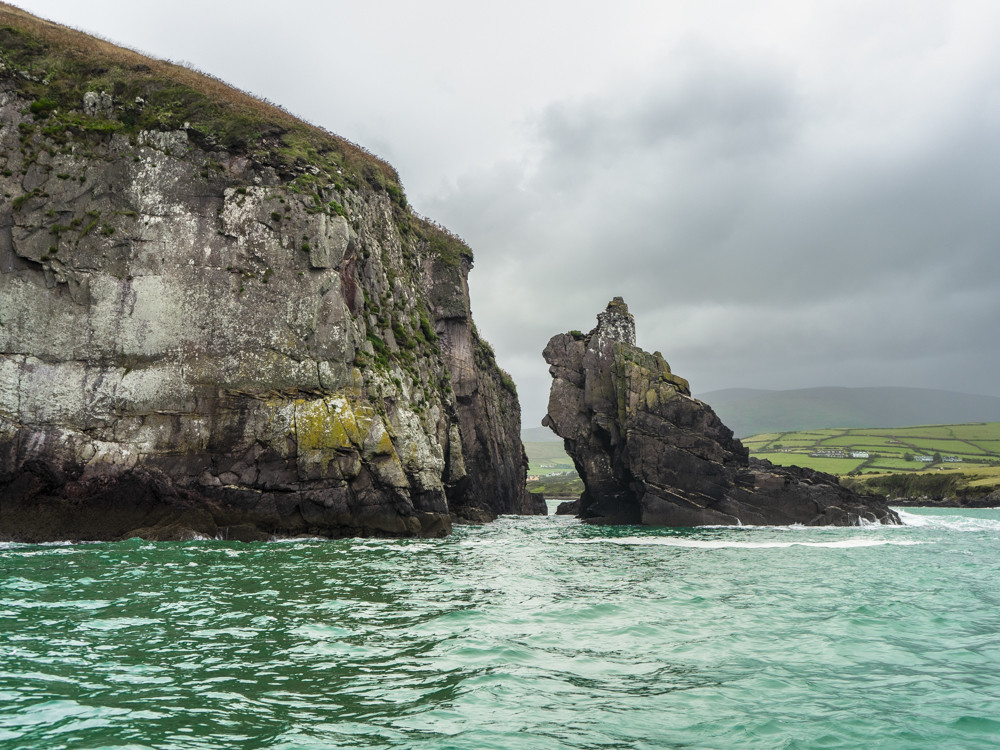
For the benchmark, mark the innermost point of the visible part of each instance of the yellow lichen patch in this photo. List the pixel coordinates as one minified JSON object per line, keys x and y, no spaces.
{"x":331,"y":423}
{"x":661,"y":364}
{"x":331,"y":432}
{"x":381,"y":454}
{"x":652,"y":399}
{"x":384,"y":446}
{"x":679,"y":383}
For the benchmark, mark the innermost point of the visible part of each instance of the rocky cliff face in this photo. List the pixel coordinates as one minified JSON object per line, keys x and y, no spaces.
{"x":215,"y":319}
{"x":649,"y":453}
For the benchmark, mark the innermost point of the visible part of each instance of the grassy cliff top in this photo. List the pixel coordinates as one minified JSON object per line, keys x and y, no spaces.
{"x":55,"y":66}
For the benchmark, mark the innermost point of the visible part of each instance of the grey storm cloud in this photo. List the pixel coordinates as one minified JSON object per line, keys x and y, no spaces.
{"x":725,"y":109}
{"x":756,"y":245}
{"x":787,"y":194}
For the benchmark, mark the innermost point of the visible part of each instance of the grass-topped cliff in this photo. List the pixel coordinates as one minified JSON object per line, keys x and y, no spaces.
{"x":55,"y":67}
{"x":215,"y":315}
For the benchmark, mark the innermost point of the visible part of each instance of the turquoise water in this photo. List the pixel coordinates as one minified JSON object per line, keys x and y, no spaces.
{"x":526,"y":633}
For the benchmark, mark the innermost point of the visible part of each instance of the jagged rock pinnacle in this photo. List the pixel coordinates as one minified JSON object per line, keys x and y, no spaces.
{"x":616,"y":322}
{"x":650,"y":453}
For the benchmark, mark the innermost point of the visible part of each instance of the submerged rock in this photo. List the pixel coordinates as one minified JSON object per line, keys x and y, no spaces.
{"x":649,"y":453}
{"x":568,"y":508}
{"x":218,"y":320}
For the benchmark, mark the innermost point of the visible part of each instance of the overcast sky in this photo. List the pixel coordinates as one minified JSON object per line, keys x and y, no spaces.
{"x":787,"y":194}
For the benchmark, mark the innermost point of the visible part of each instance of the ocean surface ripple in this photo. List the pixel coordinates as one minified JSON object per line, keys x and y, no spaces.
{"x":529,"y":632}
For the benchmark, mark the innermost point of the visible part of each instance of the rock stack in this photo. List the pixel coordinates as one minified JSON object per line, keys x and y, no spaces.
{"x":649,"y":453}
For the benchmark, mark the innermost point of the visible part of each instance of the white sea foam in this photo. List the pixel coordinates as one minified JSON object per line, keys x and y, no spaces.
{"x":296,"y":539}
{"x":955,"y":522}
{"x":863,"y":523}
{"x":401,"y":546}
{"x":734,"y":544}
{"x":58,"y":543}
{"x":912,"y":519}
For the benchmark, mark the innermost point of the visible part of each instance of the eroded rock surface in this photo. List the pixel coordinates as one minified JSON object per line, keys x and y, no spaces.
{"x":649,"y":453}
{"x":246,"y":340}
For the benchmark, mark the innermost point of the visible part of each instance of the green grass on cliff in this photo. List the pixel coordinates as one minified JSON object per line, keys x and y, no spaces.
{"x":53,"y":67}
{"x":968,"y":485}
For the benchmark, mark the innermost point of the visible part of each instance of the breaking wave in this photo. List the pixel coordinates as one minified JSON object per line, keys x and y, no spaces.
{"x":738,"y":544}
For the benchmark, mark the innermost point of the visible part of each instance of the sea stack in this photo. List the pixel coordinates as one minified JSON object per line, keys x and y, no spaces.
{"x":218,"y":320}
{"x":649,"y":453}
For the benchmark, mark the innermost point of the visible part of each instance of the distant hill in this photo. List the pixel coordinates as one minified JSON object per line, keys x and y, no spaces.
{"x":539,"y":435}
{"x":750,"y":411}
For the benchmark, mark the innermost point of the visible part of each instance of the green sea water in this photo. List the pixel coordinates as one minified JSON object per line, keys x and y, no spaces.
{"x":525,"y":633}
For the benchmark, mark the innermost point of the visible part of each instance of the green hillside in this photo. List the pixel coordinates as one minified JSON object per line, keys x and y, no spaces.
{"x":569,"y":486}
{"x":550,"y":470}
{"x":548,"y":458}
{"x":972,"y":448}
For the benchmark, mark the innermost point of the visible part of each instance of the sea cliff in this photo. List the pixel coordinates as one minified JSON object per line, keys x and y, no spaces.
{"x":218,"y":320}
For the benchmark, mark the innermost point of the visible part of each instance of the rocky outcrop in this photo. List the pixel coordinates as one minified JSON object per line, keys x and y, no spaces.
{"x":930,"y":489}
{"x":217,"y":320}
{"x":991,"y":500}
{"x":649,"y":453}
{"x":568,"y":508}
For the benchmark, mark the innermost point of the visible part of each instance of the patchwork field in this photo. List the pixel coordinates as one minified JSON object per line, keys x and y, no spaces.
{"x":968,"y":448}
{"x":550,"y":470}
{"x":545,"y":459}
